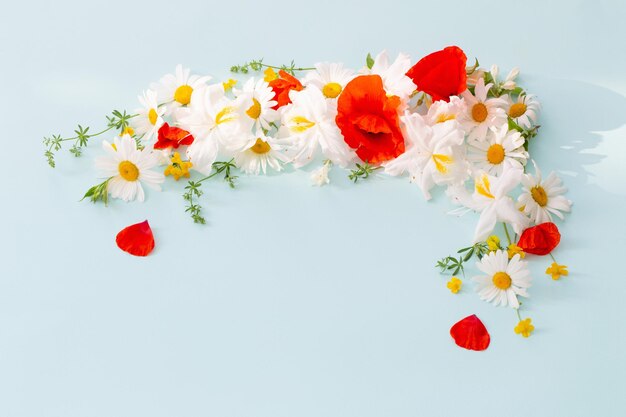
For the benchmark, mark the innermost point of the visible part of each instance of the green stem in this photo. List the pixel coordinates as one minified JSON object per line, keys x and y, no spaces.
{"x":552,"y":256}
{"x":292,"y":69}
{"x":506,"y":231}
{"x":518,"y":315}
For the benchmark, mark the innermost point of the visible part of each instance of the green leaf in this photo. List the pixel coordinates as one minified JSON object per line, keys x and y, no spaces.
{"x":369,"y":61}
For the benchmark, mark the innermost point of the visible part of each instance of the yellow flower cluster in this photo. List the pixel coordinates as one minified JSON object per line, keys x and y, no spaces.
{"x":454,"y":285}
{"x":524,"y":327}
{"x":493,"y":243}
{"x":178,"y":168}
{"x":557,"y":271}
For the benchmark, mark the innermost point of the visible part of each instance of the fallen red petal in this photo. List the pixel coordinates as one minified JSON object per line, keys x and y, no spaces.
{"x":137,"y":239}
{"x":540,"y":239}
{"x":470,"y":333}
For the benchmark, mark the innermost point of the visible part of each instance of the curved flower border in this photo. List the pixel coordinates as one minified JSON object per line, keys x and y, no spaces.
{"x":439,"y":121}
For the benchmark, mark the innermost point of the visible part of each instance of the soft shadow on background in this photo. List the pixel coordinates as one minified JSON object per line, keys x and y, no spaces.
{"x":293,"y":300}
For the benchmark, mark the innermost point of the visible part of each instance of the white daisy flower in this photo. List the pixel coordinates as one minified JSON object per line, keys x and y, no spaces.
{"x":509,"y":82}
{"x":257,"y":152}
{"x":433,"y":155}
{"x":481,"y":113}
{"x":212,"y":119}
{"x":504,"y":280}
{"x":394,"y":76}
{"x":128,"y":168}
{"x":524,"y":110}
{"x":178,"y":88}
{"x":491,"y":198}
{"x":149,"y":117}
{"x":330,"y":78}
{"x":308,"y":126}
{"x":442,"y":112}
{"x":258,"y":100}
{"x":542,"y":198}
{"x":503,"y":149}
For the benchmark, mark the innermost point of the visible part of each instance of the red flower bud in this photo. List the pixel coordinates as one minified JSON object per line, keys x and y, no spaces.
{"x":441,"y":74}
{"x":540,"y":239}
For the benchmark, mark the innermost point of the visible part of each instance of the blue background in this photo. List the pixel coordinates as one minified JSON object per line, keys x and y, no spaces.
{"x":294,"y":300}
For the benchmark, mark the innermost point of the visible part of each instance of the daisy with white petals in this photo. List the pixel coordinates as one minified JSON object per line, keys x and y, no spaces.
{"x":176,"y":89}
{"x":329,"y":78}
{"x":503,"y":149}
{"x":149,"y":117}
{"x":257,"y":152}
{"x":128,"y":168}
{"x":258,"y":100}
{"x":491,"y":198}
{"x":308,"y":126}
{"x":433,"y":155}
{"x":504,"y":279}
{"x":213,"y":120}
{"x":482,"y":113}
{"x":540,"y":199}
{"x":524,"y":110}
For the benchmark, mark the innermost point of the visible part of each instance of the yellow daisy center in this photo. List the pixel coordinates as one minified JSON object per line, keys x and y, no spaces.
{"x":255,"y":110}
{"x":183,"y":94}
{"x":517,"y":110}
{"x":128,"y":171}
{"x":539,"y":195}
{"x":153,"y":116}
{"x":479,"y":112}
{"x":495,"y":154}
{"x":501,"y":280}
{"x":332,"y":90}
{"x":260,"y":147}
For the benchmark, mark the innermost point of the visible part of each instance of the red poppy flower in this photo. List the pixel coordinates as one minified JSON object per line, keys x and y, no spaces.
{"x":368,"y":120}
{"x":172,"y":137}
{"x":136,"y":239}
{"x":441,"y":74}
{"x":282,"y":86}
{"x":470,"y":333}
{"x":540,"y":239}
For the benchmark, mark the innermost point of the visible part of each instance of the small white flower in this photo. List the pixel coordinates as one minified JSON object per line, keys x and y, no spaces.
{"x":330,"y":78}
{"x":509,"y":83}
{"x":319,"y":176}
{"x":433,"y":155}
{"x":213,"y":120}
{"x":445,"y":112}
{"x":308,"y":127}
{"x":524,"y":110}
{"x":128,"y":167}
{"x":504,"y":280}
{"x":503,"y":149}
{"x":393,"y":75}
{"x":149,"y":117}
{"x":481,"y":113}
{"x":178,"y":88}
{"x":542,"y":198}
{"x":491,"y":198}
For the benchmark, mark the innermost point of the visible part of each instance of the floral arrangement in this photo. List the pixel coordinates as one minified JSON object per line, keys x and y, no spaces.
{"x":439,"y":121}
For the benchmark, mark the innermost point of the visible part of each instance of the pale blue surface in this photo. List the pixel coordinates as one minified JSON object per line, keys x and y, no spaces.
{"x":293,"y":300}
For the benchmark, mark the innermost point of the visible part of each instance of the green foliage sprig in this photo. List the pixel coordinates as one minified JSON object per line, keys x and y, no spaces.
{"x":98,"y":192}
{"x":451,"y":263}
{"x":362,"y":172}
{"x":118,"y":120}
{"x":257,"y":65}
{"x":193,"y":191}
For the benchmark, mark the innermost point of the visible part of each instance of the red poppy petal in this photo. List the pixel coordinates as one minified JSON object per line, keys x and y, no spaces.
{"x":136,"y":239}
{"x":470,"y":333}
{"x":540,"y":239}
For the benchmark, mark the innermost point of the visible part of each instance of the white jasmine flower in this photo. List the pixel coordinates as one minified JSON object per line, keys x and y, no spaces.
{"x":445,"y":112}
{"x":491,"y":198}
{"x":308,"y":127}
{"x":394,"y":76}
{"x":319,"y":176}
{"x":128,"y":168}
{"x":433,"y":155}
